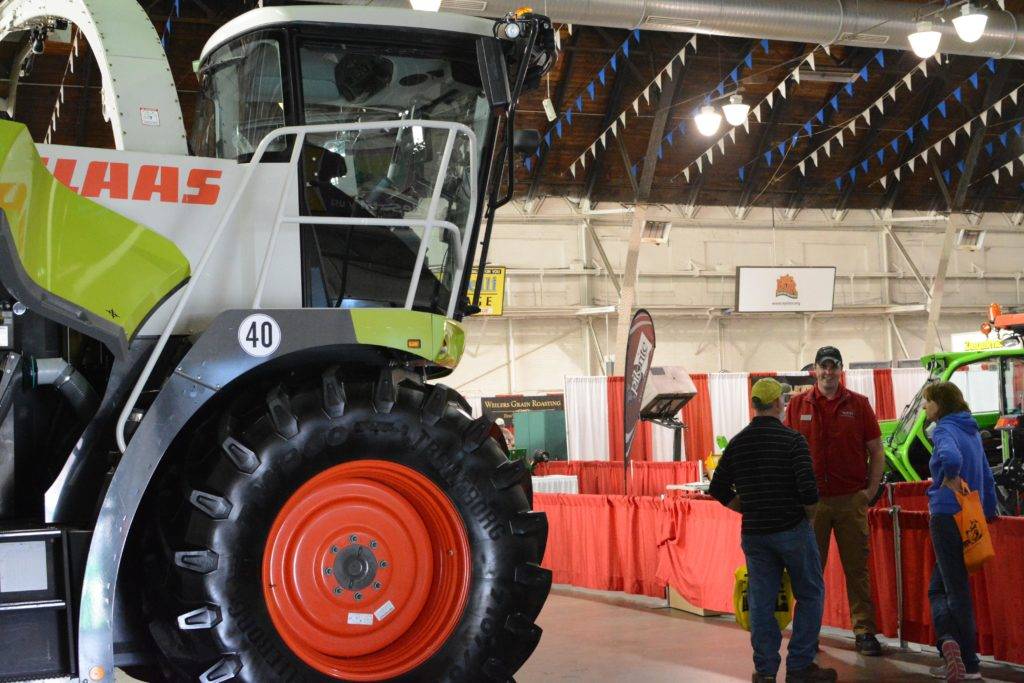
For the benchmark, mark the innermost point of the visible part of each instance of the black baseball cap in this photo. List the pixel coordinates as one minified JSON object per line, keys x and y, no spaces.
{"x":826,"y":353}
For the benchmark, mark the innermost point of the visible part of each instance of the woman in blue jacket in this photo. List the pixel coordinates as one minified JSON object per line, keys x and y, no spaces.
{"x":957,"y":457}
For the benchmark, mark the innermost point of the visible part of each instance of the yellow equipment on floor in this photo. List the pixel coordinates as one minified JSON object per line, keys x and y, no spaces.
{"x":783,"y":602}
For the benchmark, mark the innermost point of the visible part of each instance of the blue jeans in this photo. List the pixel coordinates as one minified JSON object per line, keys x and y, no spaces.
{"x":949,"y":592}
{"x":796,"y":551}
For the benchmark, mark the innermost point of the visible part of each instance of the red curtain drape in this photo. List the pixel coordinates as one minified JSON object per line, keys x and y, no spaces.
{"x":885,"y":404}
{"x":651,"y":478}
{"x":698,"y":435}
{"x":642,"y":442}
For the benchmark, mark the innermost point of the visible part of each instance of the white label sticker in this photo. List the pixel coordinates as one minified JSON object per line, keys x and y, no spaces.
{"x":259,"y":335}
{"x":360,"y":619}
{"x":150,"y":117}
{"x":384,"y":610}
{"x":805,"y":418}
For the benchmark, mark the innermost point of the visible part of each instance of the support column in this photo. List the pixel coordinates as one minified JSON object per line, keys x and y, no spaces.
{"x":931,"y":337}
{"x":627,"y":292}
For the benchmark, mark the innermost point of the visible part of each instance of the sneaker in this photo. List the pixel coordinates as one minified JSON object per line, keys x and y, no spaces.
{"x":868,"y":645}
{"x":955,"y":669}
{"x":939,"y":672}
{"x":812,"y":674}
{"x":762,"y":678}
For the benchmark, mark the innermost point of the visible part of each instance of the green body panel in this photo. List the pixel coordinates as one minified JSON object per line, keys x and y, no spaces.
{"x":898,"y":453}
{"x":79,"y":251}
{"x":441,"y":341}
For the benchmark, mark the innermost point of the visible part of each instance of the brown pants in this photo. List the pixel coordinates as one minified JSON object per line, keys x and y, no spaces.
{"x":847,"y":517}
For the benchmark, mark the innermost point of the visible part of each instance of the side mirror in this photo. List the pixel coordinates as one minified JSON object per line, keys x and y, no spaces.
{"x":525,"y":141}
{"x":493,"y":73}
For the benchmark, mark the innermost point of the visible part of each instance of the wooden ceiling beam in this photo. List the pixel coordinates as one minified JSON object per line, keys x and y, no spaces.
{"x":993,"y":92}
{"x":662,"y":114}
{"x":610,"y":113}
{"x":764,"y":140}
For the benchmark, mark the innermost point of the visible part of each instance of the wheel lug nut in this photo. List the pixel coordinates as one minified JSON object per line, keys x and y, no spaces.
{"x":328,"y":571}
{"x":373,"y":544}
{"x":337,"y":590}
{"x":359,"y":596}
{"x":334,"y":549}
{"x":353,"y":538}
{"x":383,"y":564}
{"x":376,"y":585}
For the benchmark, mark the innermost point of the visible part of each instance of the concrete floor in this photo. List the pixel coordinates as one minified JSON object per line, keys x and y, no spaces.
{"x":595,"y":636}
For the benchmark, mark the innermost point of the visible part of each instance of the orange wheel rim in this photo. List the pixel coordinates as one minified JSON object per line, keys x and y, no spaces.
{"x":366,"y":570}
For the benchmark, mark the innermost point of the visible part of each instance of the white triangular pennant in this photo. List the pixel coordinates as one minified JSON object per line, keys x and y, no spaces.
{"x":686,"y":173}
{"x":569,"y":26}
{"x":883,"y":180}
{"x":910,"y":164}
{"x":952,"y":138}
{"x":938,"y":58}
{"x":907,"y":80}
{"x":828,"y":149}
{"x":572,"y":169}
{"x":924,"y":156}
{"x":668,"y":68}
{"x":892,"y":93}
{"x":814,"y":157}
{"x":984,"y":118}
{"x":1008,"y":166}
{"x":558,"y":46}
{"x":852,"y":126}
{"x":1013,"y":94}
{"x":995,"y":175}
{"x":770,"y":99}
{"x":647,"y":94}
{"x":636,"y":107}
{"x":593,"y":150}
{"x":62,"y":92}
{"x":757,"y":113}
{"x":732,"y":136}
{"x":828,"y":49}
{"x":603,"y":143}
{"x":842,"y":141}
{"x":711,"y":156}
{"x":700,"y":164}
{"x":782,"y":88}
{"x":721,"y":145}
{"x":657,"y":81}
{"x":622,"y":119}
{"x":796,"y":76}
{"x":924,"y":67}
{"x":896,"y":173}
{"x":998,"y":107}
{"x":693,"y":42}
{"x":801,"y":166}
{"x":968,"y":126}
{"x":583,"y":160}
{"x":810,"y":61}
{"x":615,"y":127}
{"x":867,"y":115}
{"x":881,"y":105}
{"x":937,"y":147}
{"x":746,"y":125}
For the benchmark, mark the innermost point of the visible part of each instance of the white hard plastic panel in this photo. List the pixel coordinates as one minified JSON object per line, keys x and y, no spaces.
{"x":131,"y":61}
{"x":265,"y":17}
{"x":22,"y":566}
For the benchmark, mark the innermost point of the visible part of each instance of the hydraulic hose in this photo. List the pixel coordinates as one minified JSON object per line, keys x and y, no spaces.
{"x":71,"y":384}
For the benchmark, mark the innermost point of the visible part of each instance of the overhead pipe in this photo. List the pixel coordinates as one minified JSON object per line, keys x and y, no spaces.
{"x":860,"y":23}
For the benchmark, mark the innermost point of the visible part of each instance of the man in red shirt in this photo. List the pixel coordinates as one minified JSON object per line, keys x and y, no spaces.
{"x":846,"y":448}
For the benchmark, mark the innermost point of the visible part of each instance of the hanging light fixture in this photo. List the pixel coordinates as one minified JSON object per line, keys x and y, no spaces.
{"x":708,"y":120}
{"x":426,"y":5}
{"x":924,"y":42}
{"x":970,"y":25}
{"x":736,"y":111}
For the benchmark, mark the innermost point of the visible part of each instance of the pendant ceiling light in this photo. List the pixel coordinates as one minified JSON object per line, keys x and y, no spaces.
{"x":925,"y":42}
{"x":736,"y":111}
{"x":970,"y":25}
{"x":708,"y":120}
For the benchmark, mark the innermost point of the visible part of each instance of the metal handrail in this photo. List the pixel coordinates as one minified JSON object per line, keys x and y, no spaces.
{"x":431,"y":222}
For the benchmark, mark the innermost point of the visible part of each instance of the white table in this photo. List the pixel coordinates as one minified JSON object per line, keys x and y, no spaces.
{"x":701,"y":486}
{"x":556,"y":483}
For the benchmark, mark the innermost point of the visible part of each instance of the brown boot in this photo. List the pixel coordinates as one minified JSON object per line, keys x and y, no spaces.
{"x":812,"y":674}
{"x":762,"y":678}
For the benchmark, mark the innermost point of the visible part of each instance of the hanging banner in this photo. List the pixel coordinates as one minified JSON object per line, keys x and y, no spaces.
{"x":639,"y":357}
{"x":762,"y":289}
{"x":492,"y":293}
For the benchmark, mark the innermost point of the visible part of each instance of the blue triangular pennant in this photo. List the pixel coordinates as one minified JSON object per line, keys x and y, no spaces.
{"x":782,"y":148}
{"x":743,"y":173}
{"x":660,"y":151}
{"x":942,"y":109}
{"x":669,"y":137}
{"x":682,"y":127}
{"x":547,"y":138}
{"x":991,"y":64}
{"x":636,"y":35}
{"x":764,"y":45}
{"x":615,"y":62}
{"x":633,"y":170}
{"x":960,"y":166}
{"x":625,"y":48}
{"x":568,"y":116}
{"x":947,"y":175}
{"x":820,"y":115}
{"x":926,"y":121}
{"x":749,"y":60}
{"x":880,"y":154}
{"x":839,"y":183}
{"x":768,"y":157}
{"x":579,"y":103}
{"x":807,"y":128}
{"x":853,"y":174}
{"x":1017,"y":128}
{"x":989,"y":147}
{"x":601,"y":76}
{"x":958,"y":94}
{"x":590,"y":89}
{"x":880,"y":58}
{"x":528,"y":163}
{"x":792,"y":141}
{"x":558,"y":127}
{"x":864,"y":165}
{"x":721,"y":89}
{"x":863,"y":74}
{"x":1002,"y":139}
{"x":895,"y":144}
{"x":973,"y":78}
{"x":834,"y":102}
{"x":849,"y":89}
{"x":735,"y":74}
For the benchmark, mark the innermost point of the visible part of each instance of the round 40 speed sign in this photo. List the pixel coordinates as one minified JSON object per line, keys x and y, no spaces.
{"x":259,"y":335}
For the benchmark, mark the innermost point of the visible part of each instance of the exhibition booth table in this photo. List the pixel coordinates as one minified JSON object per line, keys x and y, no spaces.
{"x":641,"y":544}
{"x":609,"y":478}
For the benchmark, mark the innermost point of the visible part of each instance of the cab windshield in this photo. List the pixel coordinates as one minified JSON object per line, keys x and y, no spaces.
{"x":906,"y":423}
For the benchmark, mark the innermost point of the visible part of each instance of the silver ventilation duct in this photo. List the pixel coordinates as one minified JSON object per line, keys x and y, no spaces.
{"x":862,"y":23}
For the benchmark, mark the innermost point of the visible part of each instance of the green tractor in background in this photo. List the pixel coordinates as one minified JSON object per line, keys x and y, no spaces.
{"x":225,"y":455}
{"x":992,"y":381}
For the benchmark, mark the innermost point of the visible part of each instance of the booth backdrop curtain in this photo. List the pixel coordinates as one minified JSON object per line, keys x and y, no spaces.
{"x":730,"y":396}
{"x":863,"y":382}
{"x":698,"y":439}
{"x":661,"y":443}
{"x":885,"y":407}
{"x":586,"y":417}
{"x":475,"y":405}
{"x":905,"y":384}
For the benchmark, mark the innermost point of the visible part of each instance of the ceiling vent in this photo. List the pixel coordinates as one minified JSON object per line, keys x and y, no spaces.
{"x":475,"y":6}
{"x":824,"y":74}
{"x":970,"y":240}
{"x":655,"y":232}
{"x":870,"y":38}
{"x":670,"y":23}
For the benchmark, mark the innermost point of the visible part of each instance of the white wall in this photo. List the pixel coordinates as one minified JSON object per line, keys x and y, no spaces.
{"x":692,"y":275}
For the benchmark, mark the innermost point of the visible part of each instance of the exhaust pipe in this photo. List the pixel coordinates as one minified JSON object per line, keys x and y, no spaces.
{"x":861,"y":23}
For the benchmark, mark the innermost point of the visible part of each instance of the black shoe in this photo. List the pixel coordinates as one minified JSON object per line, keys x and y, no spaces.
{"x":762,"y":678}
{"x":868,"y":645}
{"x":812,"y":674}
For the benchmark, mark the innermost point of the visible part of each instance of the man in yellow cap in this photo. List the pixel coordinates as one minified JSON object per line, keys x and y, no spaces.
{"x":766,"y":474}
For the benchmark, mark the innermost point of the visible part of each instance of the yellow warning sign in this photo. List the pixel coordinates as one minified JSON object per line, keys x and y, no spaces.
{"x":492,"y":293}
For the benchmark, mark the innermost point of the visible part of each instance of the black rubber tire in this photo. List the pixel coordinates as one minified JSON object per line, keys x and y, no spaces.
{"x":294,"y":436}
